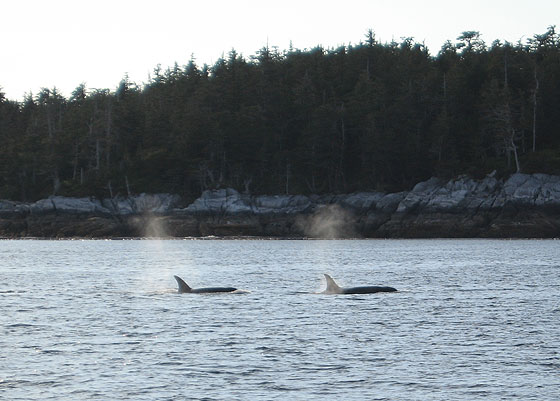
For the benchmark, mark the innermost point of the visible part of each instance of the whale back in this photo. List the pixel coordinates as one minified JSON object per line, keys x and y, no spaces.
{"x":213,"y":290}
{"x":332,"y":286}
{"x":368,"y":290}
{"x":183,"y":287}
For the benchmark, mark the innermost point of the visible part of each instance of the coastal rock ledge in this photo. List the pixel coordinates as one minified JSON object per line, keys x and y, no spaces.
{"x":522,"y":206}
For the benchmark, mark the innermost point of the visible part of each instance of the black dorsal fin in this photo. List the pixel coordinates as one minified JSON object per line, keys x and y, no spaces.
{"x":183,"y":287}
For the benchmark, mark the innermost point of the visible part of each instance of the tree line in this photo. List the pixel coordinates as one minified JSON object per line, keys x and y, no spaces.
{"x":370,"y":116}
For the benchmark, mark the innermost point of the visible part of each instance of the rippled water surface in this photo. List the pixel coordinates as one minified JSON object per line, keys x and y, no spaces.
{"x":100,"y":320}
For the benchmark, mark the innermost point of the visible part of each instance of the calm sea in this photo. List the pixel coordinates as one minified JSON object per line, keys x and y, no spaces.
{"x":101,"y":320}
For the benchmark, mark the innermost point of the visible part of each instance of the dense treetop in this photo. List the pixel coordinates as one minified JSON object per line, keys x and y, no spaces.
{"x":364,"y":117}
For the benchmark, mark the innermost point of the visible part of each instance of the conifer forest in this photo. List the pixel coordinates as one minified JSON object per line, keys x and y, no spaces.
{"x":368,"y":116}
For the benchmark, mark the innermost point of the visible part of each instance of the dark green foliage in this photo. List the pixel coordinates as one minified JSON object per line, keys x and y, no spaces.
{"x":363,"y":117}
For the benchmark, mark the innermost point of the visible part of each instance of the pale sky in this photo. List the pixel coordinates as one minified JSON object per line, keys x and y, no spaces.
{"x":62,"y":43}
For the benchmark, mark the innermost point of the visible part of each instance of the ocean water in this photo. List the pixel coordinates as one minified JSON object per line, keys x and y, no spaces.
{"x":102,"y":320}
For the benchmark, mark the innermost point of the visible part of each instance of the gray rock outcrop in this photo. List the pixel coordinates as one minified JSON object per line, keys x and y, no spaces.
{"x":68,"y":205}
{"x":143,"y":203}
{"x":521,"y":206}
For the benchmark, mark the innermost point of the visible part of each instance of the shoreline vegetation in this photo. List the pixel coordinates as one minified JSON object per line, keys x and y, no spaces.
{"x":522,"y":206}
{"x":369,"y":140}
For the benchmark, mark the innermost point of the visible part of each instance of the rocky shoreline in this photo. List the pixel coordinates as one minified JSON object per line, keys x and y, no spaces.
{"x":522,"y":206}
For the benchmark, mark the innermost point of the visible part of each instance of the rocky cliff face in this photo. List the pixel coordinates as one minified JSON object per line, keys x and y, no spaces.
{"x":521,"y":206}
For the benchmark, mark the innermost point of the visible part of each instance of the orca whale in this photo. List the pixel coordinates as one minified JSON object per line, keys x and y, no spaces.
{"x":333,"y":288}
{"x":184,"y":288}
